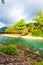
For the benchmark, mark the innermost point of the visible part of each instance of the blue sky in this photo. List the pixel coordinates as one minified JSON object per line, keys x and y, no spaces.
{"x":14,"y":10}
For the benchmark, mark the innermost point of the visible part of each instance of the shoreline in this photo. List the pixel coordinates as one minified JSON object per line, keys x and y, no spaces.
{"x":24,"y":37}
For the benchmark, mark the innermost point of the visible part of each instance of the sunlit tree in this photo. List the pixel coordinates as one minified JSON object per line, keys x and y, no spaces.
{"x":18,"y":27}
{"x":39,"y":29}
{"x":39,"y":18}
{"x":31,"y":26}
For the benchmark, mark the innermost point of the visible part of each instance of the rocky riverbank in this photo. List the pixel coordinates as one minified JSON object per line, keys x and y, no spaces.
{"x":23,"y":57}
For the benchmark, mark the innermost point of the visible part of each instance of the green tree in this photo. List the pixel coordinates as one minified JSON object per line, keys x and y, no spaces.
{"x":39,"y":18}
{"x":31,"y":26}
{"x":10,"y":29}
{"x":20,"y":25}
{"x":37,"y":32}
{"x":2,"y":1}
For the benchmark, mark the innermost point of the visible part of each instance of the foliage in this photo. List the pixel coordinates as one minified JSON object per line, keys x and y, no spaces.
{"x":38,"y":63}
{"x":10,"y":29}
{"x":2,"y":1}
{"x":31,"y":26}
{"x":8,"y":49}
{"x":39,"y":18}
{"x":37,"y":32}
{"x":18,"y":27}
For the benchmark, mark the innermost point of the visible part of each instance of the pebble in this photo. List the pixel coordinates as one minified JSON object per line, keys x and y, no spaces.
{"x":10,"y":64}
{"x":39,"y":59}
{"x":22,"y":58}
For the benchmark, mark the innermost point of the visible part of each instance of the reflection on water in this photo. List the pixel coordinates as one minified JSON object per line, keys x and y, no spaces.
{"x":34,"y":43}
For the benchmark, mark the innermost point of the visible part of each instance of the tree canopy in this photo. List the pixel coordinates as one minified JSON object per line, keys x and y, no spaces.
{"x":39,"y":18}
{"x":3,"y":1}
{"x":19,"y":26}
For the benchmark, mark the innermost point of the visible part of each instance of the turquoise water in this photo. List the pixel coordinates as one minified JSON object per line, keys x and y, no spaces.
{"x":34,"y":43}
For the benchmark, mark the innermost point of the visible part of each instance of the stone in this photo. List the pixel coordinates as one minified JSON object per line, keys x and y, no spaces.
{"x":39,"y":59}
{"x":9,"y":64}
{"x":1,"y":43}
{"x":1,"y":64}
{"x":34,"y":56}
{"x":2,"y":54}
{"x":11,"y":59}
{"x":2,"y":61}
{"x":29,"y":52}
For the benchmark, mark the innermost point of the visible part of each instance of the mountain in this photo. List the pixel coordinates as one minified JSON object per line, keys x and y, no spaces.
{"x":3,"y":28}
{"x":36,"y":24}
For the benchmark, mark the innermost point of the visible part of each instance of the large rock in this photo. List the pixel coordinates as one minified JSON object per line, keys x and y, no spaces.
{"x":1,"y":44}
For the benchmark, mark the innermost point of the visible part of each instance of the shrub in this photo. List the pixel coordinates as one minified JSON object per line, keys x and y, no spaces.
{"x":38,"y":63}
{"x":37,"y":33}
{"x":8,"y":49}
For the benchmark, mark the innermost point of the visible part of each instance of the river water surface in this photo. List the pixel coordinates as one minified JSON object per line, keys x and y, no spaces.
{"x":34,"y":43}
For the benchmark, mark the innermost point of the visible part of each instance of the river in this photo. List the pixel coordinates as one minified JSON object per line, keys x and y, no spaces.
{"x":25,"y":42}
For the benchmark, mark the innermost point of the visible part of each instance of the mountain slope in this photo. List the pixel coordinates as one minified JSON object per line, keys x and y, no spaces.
{"x":3,"y":28}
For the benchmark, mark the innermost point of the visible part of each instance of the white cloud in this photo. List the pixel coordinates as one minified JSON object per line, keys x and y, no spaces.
{"x":16,"y":13}
{"x":13,"y":10}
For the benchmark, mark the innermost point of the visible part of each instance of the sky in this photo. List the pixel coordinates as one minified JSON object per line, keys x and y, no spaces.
{"x":14,"y":10}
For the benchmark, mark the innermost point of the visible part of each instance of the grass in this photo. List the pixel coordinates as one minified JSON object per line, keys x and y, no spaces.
{"x":38,"y":63}
{"x":9,"y":49}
